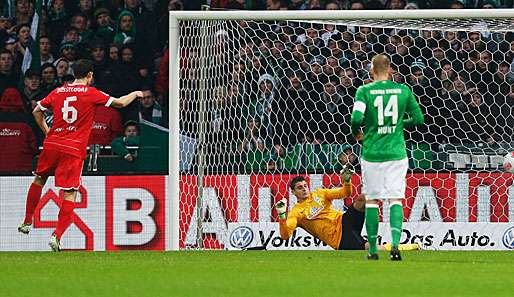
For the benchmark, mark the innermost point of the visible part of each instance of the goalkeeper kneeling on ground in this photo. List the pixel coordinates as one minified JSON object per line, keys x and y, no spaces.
{"x":314,"y":213}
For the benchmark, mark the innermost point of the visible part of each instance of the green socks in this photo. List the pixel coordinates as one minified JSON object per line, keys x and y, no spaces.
{"x":372,"y":227}
{"x":396,"y":220}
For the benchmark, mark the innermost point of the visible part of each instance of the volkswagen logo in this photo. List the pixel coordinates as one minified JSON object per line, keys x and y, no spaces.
{"x":241,"y":237}
{"x":508,"y":238}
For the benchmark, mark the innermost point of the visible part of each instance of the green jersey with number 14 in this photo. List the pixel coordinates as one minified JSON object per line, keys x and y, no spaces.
{"x":386,"y":108}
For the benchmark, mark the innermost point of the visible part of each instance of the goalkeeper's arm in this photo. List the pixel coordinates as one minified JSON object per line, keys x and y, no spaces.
{"x":287,"y":224}
{"x":346,"y":190}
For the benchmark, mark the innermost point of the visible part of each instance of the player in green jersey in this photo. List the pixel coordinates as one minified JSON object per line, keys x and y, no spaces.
{"x":386,"y":108}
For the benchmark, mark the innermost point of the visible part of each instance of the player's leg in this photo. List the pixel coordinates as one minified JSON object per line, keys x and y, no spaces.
{"x":67,"y":177}
{"x":352,"y":223}
{"x":373,"y":184}
{"x":33,"y":196}
{"x":64,"y":219}
{"x":395,"y":220}
{"x":45,"y":167}
{"x":395,"y":182}
{"x":372,"y":219}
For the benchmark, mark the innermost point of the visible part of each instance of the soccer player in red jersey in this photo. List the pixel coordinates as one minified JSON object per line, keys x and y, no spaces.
{"x":64,"y":148}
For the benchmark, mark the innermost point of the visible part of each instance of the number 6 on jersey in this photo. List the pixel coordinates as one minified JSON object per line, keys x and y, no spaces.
{"x":69,"y":113}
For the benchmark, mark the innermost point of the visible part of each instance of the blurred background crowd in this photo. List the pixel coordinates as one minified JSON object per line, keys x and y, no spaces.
{"x":126,"y":40}
{"x":279,"y":93}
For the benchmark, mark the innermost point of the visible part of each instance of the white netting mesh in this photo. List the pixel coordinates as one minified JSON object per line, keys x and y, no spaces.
{"x":263,"y":100}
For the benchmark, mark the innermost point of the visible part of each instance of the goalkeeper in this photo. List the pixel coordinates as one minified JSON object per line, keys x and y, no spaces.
{"x":314,"y":213}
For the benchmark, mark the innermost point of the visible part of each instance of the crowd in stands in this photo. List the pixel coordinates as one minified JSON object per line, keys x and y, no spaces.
{"x":272,"y":86}
{"x":276,"y":85}
{"x":119,"y":36}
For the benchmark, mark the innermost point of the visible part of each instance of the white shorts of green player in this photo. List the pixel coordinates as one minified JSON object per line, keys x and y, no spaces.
{"x":384,"y":180}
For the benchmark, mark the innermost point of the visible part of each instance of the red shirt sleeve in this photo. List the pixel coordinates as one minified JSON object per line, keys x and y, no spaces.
{"x":99,"y":97}
{"x":47,"y":102}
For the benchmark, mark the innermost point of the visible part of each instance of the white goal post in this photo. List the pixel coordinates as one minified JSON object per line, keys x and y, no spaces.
{"x":503,"y":19}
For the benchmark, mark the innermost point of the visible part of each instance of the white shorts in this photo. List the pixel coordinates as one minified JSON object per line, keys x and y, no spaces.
{"x":384,"y":180}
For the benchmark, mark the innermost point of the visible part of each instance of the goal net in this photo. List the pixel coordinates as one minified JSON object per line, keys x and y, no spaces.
{"x":262,"y":101}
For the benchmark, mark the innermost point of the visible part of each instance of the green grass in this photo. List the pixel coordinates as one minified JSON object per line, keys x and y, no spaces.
{"x":255,"y":273}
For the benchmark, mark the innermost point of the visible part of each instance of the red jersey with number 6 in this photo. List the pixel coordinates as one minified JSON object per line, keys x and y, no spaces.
{"x":73,"y":106}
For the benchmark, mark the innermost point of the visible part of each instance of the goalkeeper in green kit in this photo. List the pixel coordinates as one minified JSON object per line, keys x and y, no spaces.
{"x":386,"y":108}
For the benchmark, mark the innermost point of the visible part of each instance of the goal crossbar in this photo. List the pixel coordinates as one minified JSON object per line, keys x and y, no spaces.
{"x":344,"y":14}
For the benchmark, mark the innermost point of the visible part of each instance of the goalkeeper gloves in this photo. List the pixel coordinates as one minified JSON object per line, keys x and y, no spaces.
{"x":346,"y":174}
{"x":281,"y":207}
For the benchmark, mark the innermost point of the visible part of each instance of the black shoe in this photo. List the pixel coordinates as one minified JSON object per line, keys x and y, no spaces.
{"x":372,"y":256}
{"x":395,"y":254}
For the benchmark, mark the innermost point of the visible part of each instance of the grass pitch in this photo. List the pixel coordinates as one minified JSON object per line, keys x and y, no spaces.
{"x":255,"y":273}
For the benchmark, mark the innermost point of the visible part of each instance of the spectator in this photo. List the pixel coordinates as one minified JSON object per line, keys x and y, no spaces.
{"x":331,"y":66}
{"x":411,"y":5}
{"x":276,"y":158}
{"x":299,"y":62}
{"x":71,"y":35}
{"x":102,"y":66}
{"x":48,"y":79}
{"x":125,"y":28}
{"x":68,"y":51}
{"x":347,"y":158}
{"x":330,"y":118}
{"x":130,"y":138}
{"x":502,"y":80}
{"x":275,"y":4}
{"x":5,"y":27}
{"x":332,"y":5}
{"x":395,"y":4}
{"x":316,"y":71}
{"x":150,"y":110}
{"x":357,"y":5}
{"x":254,"y":136}
{"x":476,"y":121}
{"x":127,"y":74}
{"x":63,"y":68}
{"x":86,"y":8}
{"x":23,"y":12}
{"x":446,"y":72}
{"x":456,"y":4}
{"x":289,"y":110}
{"x":45,"y":50}
{"x":104,"y":25}
{"x":11,"y":46}
{"x":22,"y":35}
{"x":146,"y":34}
{"x":57,"y":21}
{"x":163,"y":20}
{"x":12,"y":101}
{"x":114,"y":49}
{"x":8,"y":77}
{"x":489,"y":5}
{"x":261,"y":105}
{"x":81,"y":23}
{"x":31,"y":91}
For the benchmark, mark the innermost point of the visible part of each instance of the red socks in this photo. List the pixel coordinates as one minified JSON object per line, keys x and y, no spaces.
{"x":33,"y":197}
{"x":64,"y":218}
